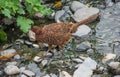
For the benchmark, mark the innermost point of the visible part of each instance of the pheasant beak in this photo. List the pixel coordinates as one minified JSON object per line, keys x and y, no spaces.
{"x":31,"y":35}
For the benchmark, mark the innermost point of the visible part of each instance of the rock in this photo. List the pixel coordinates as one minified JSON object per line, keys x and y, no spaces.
{"x":37,"y":59}
{"x":53,"y":75}
{"x":36,"y":45}
{"x":8,"y":51}
{"x":22,"y":69}
{"x":23,"y":75}
{"x":64,"y":74}
{"x":90,"y":63}
{"x":83,"y":46}
{"x":108,"y":57}
{"x":86,"y":14}
{"x":90,"y":51}
{"x":96,"y":76}
{"x":77,"y":60}
{"x":17,"y":57}
{"x":44,"y":62}
{"x":86,"y":68}
{"x":58,"y":14}
{"x":34,"y":67}
{"x":63,"y":15}
{"x":117,"y":76}
{"x":28,"y":42}
{"x":82,"y":30}
{"x":11,"y":63}
{"x":114,"y":65}
{"x":47,"y":75}
{"x":118,"y":71}
{"x":75,"y":5}
{"x":109,"y":3}
{"x":83,"y":71}
{"x":108,"y":33}
{"x":19,"y":41}
{"x":29,"y":73}
{"x":11,"y":70}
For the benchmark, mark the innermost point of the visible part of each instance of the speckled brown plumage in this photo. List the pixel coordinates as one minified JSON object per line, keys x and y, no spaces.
{"x":55,"y":33}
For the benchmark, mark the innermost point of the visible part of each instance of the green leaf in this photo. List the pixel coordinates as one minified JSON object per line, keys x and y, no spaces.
{"x":3,"y":36}
{"x":21,"y":11}
{"x":6,"y":12}
{"x":24,"y":23}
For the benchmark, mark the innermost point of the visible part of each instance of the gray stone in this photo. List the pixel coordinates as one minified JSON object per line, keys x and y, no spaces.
{"x":84,"y":14}
{"x":8,"y":51}
{"x":77,"y":5}
{"x":58,"y":14}
{"x":29,"y":73}
{"x":11,"y":63}
{"x":86,"y":68}
{"x":33,"y":67}
{"x":83,"y":71}
{"x":11,"y":70}
{"x":17,"y":57}
{"x":108,"y":30}
{"x":108,"y":57}
{"x":90,"y":51}
{"x":82,"y":30}
{"x":23,"y":75}
{"x":117,"y":76}
{"x":83,"y":46}
{"x":114,"y":65}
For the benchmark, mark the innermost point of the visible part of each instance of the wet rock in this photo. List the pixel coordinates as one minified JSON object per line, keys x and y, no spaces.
{"x":118,"y":71}
{"x":82,"y":31}
{"x":29,"y":73}
{"x":1,"y":71}
{"x":96,"y":76}
{"x":36,"y":45}
{"x":23,"y":75}
{"x":62,"y":16}
{"x":28,"y":42}
{"x":8,"y":51}
{"x":108,"y":57}
{"x":33,"y":67}
{"x":44,"y":62}
{"x":64,"y":74}
{"x":88,"y":14}
{"x":19,"y":41}
{"x":22,"y":69}
{"x":47,"y":75}
{"x":75,"y":5}
{"x":83,"y":46}
{"x":77,"y":60}
{"x":108,"y":30}
{"x":37,"y":59}
{"x":109,"y":3}
{"x":11,"y":69}
{"x":83,"y":71}
{"x":58,"y":14}
{"x":117,"y":76}
{"x":53,"y":75}
{"x":86,"y":68}
{"x":90,"y":63}
{"x":90,"y":51}
{"x":17,"y":57}
{"x":114,"y":65}
{"x":11,"y":63}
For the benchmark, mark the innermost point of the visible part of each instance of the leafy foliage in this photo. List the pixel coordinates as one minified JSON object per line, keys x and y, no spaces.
{"x":3,"y":37}
{"x":15,"y":8}
{"x":24,"y":23}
